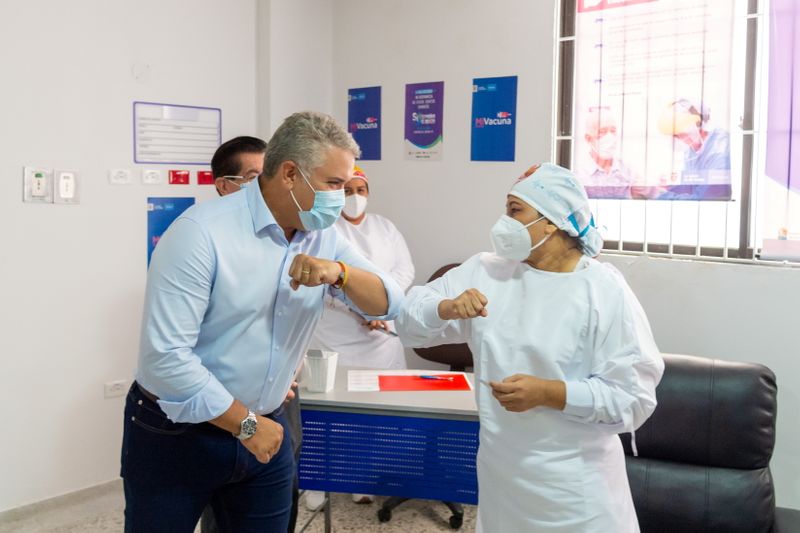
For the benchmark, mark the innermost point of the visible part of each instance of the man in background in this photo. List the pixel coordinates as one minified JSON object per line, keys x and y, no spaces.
{"x":237,"y":162}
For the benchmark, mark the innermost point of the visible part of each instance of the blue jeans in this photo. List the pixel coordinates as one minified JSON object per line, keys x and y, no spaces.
{"x":171,"y":471}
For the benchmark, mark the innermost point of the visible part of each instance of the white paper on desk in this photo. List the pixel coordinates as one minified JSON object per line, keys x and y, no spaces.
{"x":367,"y":380}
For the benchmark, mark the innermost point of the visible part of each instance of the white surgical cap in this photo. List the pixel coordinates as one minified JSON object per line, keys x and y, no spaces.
{"x":558,"y":196}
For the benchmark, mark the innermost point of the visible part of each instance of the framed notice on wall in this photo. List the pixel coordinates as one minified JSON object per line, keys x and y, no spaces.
{"x":175,"y":134}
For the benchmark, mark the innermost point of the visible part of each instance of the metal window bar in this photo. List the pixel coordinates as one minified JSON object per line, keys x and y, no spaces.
{"x":563,"y":100}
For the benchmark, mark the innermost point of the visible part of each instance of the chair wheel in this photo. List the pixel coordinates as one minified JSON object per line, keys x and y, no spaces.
{"x":384,"y":515}
{"x":456,"y":521}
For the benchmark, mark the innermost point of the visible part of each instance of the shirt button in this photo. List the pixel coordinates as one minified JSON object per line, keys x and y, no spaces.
{"x":271,"y":380}
{"x":280,"y":313}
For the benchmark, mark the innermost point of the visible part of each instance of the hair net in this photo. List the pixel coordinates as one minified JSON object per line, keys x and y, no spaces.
{"x":556,"y":193}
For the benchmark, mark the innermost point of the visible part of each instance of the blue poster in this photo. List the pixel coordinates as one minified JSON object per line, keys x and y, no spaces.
{"x":160,"y":214}
{"x":364,"y":118}
{"x":494,"y":110}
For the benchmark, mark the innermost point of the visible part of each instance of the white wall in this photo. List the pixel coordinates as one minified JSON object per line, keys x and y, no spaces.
{"x":445,"y":209}
{"x":73,"y":276}
{"x":300,"y":36}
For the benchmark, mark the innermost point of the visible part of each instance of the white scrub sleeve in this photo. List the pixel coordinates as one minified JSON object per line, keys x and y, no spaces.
{"x":418,"y":323}
{"x":620,"y":393}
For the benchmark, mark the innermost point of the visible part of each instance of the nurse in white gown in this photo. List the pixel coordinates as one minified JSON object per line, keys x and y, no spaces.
{"x":358,"y":342}
{"x":564,"y":361}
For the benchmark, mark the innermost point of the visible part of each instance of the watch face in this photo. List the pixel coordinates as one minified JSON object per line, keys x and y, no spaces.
{"x":249,"y":427}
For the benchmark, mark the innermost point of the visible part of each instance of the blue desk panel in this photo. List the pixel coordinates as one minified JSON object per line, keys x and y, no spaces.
{"x":406,"y":456}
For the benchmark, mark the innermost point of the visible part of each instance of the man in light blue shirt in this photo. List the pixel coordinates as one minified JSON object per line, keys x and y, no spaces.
{"x":235,"y":288}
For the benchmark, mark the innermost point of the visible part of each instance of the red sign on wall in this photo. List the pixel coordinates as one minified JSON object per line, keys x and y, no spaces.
{"x":204,"y":177}
{"x":179,"y":177}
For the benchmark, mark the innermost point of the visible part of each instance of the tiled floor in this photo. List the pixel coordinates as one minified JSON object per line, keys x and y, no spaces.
{"x":99,"y":510}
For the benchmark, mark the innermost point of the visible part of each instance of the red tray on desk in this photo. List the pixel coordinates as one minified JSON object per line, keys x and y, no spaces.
{"x":416,"y":383}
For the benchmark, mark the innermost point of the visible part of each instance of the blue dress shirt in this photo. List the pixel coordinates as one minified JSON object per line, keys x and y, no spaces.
{"x":220,"y":319}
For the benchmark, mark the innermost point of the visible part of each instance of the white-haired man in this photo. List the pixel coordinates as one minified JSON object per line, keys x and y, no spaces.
{"x":603,"y":174}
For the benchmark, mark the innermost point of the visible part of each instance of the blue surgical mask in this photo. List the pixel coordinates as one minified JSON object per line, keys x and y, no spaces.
{"x":325,"y":211}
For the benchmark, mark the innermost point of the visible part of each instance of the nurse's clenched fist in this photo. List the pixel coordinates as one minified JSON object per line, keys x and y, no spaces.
{"x":470,"y":304}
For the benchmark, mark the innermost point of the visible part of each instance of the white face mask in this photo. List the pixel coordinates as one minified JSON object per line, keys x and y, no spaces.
{"x":606,"y":146}
{"x":511,"y":239}
{"x":354,"y":205}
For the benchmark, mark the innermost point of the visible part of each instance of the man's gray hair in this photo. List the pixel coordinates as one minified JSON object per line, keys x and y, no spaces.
{"x":305,"y":138}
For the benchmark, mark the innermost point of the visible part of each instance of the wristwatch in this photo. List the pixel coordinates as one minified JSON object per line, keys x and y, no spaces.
{"x":248,"y":426}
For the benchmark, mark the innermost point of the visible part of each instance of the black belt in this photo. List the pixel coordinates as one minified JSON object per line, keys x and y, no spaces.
{"x":147,"y":394}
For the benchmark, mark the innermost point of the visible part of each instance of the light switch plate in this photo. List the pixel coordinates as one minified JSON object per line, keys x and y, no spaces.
{"x":152,"y":176}
{"x":66,"y":189}
{"x":37,"y":185}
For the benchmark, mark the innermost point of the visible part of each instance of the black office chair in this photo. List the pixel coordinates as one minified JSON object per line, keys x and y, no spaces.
{"x":703,"y":456}
{"x":459,"y":358}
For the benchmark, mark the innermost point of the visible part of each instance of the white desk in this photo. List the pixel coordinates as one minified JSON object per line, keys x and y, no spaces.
{"x":451,"y":405}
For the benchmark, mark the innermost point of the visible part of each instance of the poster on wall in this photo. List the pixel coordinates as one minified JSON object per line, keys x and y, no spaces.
{"x":423,"y":119}
{"x":160,"y":214}
{"x":494,"y":124}
{"x":364,"y":120}
{"x":653,"y":99}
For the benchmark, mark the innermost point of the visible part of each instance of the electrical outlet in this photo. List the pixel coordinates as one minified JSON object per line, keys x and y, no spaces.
{"x":151,"y":176}
{"x":116,"y":388}
{"x":119,"y":176}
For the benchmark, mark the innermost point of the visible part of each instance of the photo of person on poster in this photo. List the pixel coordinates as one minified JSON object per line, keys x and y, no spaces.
{"x":602,"y":172}
{"x":706,"y":149}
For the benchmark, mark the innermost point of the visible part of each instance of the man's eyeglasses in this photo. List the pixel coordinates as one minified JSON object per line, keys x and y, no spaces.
{"x":240,"y":180}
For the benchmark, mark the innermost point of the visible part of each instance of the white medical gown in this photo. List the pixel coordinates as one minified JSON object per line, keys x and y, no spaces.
{"x":542,"y":469}
{"x":340,"y":329}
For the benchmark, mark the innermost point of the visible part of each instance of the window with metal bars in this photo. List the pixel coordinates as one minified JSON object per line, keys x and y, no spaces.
{"x":730,"y":229}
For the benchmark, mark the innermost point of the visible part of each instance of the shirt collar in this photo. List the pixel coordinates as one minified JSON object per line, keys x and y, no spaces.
{"x":260,"y":213}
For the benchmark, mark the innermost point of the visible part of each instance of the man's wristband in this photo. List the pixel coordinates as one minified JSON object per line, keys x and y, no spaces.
{"x":343,"y":276}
